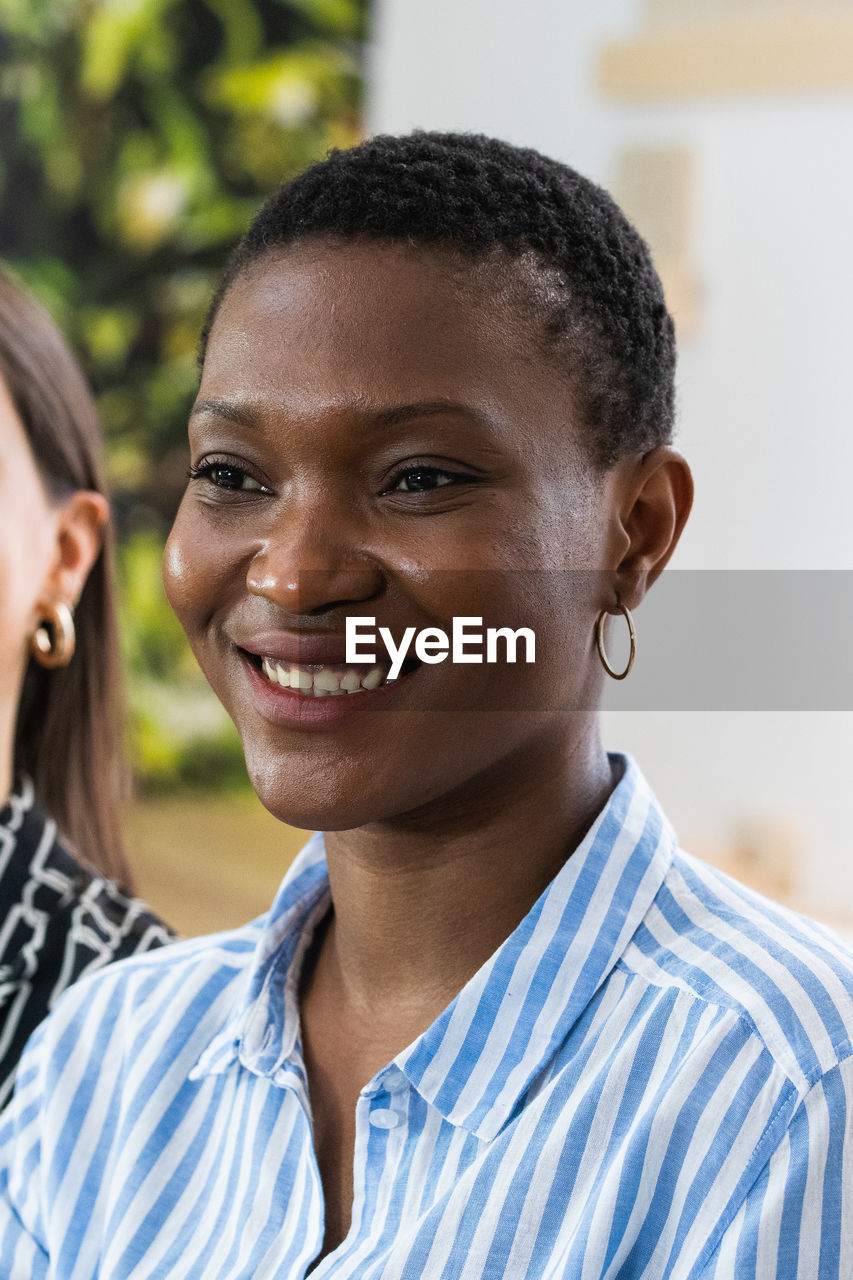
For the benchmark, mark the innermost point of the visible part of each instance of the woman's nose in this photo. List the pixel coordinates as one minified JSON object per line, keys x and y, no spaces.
{"x":312,"y":563}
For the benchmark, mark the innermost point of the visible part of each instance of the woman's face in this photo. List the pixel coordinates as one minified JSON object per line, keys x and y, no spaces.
{"x":376,"y":435}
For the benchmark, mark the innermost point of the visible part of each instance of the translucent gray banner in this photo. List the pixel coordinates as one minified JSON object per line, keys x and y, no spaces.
{"x":706,"y":640}
{"x":741,"y":641}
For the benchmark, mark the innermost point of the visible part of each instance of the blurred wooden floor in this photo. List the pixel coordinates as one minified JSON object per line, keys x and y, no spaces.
{"x":206,"y":864}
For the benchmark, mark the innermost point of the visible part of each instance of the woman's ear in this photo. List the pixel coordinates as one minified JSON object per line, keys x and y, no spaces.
{"x":80,"y":524}
{"x":657,"y":497}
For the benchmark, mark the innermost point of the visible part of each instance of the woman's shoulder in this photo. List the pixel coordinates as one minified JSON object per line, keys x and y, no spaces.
{"x":147,"y":973}
{"x":171,"y":1001}
{"x":789,"y":978}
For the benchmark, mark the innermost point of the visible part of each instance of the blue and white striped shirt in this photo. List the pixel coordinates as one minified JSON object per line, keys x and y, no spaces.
{"x":652,"y":1076}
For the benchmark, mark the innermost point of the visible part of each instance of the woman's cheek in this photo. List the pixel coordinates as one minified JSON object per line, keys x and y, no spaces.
{"x":196,"y":568}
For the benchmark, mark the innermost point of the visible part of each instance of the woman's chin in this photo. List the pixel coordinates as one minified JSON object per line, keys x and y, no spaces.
{"x":311,"y":803}
{"x":318,"y":817}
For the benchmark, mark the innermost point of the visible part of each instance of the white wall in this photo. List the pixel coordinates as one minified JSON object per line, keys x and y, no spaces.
{"x":765,"y":387}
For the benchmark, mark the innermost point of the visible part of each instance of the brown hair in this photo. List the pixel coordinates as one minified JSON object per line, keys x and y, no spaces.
{"x":69,"y":731}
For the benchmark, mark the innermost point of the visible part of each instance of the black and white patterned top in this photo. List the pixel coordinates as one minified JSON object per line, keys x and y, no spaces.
{"x":58,"y":921}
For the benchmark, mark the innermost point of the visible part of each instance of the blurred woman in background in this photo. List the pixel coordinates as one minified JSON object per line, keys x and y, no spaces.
{"x":62,"y":769}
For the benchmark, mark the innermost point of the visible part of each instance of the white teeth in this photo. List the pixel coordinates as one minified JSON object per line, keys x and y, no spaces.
{"x":275,"y":673}
{"x":324,"y":683}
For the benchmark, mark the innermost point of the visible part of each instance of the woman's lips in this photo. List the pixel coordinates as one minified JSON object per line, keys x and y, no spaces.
{"x":297,"y":648}
{"x":317,"y":694}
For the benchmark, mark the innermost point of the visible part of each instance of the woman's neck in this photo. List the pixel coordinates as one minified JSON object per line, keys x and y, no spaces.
{"x":420,"y":903}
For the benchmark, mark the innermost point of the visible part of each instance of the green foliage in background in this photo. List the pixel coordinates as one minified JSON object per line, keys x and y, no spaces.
{"x":181,"y":736}
{"x":137,"y":139}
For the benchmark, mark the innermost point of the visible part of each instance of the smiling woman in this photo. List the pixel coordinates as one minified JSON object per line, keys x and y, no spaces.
{"x":496,"y":1023}
{"x":422,"y":462}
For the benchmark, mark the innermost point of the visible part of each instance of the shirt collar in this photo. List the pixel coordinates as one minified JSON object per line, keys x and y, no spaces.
{"x":263,"y":1032}
{"x":483,"y":1052}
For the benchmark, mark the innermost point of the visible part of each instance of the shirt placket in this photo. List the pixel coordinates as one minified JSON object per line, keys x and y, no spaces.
{"x":380,"y":1136}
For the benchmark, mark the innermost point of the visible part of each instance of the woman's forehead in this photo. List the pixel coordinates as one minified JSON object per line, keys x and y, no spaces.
{"x":415,"y":284}
{"x":383,"y":316}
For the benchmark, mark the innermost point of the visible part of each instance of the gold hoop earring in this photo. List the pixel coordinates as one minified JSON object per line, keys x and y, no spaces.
{"x":599,"y":640}
{"x":55,"y":637}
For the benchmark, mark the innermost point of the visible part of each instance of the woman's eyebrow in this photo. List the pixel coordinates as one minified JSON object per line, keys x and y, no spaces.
{"x":396,"y":414}
{"x":233,"y":410}
{"x":247,"y":416}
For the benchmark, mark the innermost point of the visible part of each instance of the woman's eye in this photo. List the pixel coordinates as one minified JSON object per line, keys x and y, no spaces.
{"x":224,"y":475}
{"x":423,"y":479}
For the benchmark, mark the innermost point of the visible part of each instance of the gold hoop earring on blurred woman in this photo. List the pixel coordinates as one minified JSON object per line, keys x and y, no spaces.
{"x":55,"y":638}
{"x":599,"y":640}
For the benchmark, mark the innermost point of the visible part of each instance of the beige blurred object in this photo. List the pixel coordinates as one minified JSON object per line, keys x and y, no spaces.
{"x":716,"y":47}
{"x":764,"y":854}
{"x":206,"y":864}
{"x":654,"y":186}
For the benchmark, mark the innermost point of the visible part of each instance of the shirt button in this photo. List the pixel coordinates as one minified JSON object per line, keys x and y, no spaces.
{"x":382,"y":1118}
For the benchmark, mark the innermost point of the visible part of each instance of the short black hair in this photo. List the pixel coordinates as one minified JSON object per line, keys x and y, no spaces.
{"x":607,"y":316}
